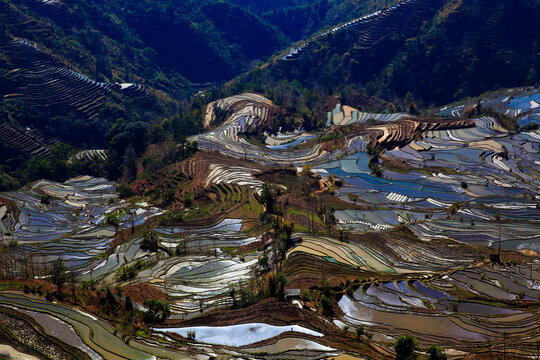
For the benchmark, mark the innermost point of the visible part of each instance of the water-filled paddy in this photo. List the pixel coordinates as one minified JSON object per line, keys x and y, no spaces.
{"x":238,"y":335}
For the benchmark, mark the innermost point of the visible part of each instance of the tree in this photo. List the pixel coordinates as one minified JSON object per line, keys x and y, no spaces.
{"x":288,"y":228}
{"x":157,"y":311}
{"x":406,"y":347}
{"x":306,"y":170}
{"x":232,"y":294}
{"x":268,"y":199}
{"x":374,"y":166}
{"x":112,"y":219}
{"x":150,"y":241}
{"x":435,"y":352}
{"x":58,"y":273}
{"x":157,"y":134}
{"x":326,"y":299}
{"x":128,"y":306}
{"x":129,"y":168}
{"x":326,"y":304}
{"x":281,"y":282}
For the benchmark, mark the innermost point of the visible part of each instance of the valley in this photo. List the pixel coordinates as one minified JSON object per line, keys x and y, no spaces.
{"x":210,"y":180}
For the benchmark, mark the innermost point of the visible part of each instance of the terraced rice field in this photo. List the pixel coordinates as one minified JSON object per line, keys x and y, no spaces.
{"x":523,"y":104}
{"x":249,"y":111}
{"x":470,"y":183}
{"x":394,"y":259}
{"x":460,"y":309}
{"x":486,"y":183}
{"x":71,"y":225}
{"x":100,"y":155}
{"x":370,"y":28}
{"x":489,"y":173}
{"x":44,"y":81}
{"x":345,"y":115}
{"x":199,"y":283}
{"x":85,"y":331}
{"x":29,"y":142}
{"x":239,"y":335}
{"x":448,"y":188}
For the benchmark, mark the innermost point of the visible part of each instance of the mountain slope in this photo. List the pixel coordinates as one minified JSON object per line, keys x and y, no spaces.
{"x":440,"y":50}
{"x":105,"y":60}
{"x":160,"y":42}
{"x":204,"y":40}
{"x":301,"y":18}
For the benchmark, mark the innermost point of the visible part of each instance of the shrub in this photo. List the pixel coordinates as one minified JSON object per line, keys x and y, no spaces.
{"x":157,"y":311}
{"x":406,"y":347}
{"x":150,"y":241}
{"x":306,"y":295}
{"x":326,"y":304}
{"x":435,"y":352}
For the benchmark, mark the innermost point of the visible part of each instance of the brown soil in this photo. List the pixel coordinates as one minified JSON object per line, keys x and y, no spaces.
{"x":275,"y":175}
{"x":331,"y":103}
{"x":369,"y":103}
{"x":143,"y":291}
{"x":251,"y":247}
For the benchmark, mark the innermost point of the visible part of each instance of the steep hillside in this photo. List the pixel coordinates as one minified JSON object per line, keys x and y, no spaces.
{"x":205,"y":41}
{"x":439,"y":50}
{"x":155,"y":42}
{"x":104,"y":60}
{"x":471,"y":47}
{"x":300,"y":18}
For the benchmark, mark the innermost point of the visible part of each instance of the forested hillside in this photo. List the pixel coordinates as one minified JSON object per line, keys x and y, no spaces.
{"x":298,"y":19}
{"x":201,"y":40}
{"x":439,"y":51}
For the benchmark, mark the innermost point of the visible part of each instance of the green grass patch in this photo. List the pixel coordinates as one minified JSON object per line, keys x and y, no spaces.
{"x":6,"y":285}
{"x":229,"y":250}
{"x":300,"y":228}
{"x":307,"y":215}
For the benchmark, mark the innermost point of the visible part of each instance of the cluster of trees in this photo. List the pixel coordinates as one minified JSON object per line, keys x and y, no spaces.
{"x":126,"y":141}
{"x":407,"y":347}
{"x":273,"y":286}
{"x":128,"y":272}
{"x":304,"y":105}
{"x":55,"y":167}
{"x":157,"y":311}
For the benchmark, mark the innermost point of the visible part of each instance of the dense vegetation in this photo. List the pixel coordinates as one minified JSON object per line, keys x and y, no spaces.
{"x":298,"y":19}
{"x":466,"y":48}
{"x":471,"y":47}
